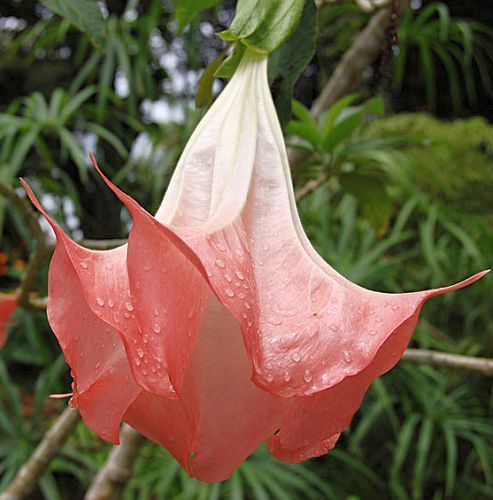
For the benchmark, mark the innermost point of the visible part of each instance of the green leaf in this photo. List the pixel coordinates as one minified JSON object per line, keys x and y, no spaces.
{"x":370,"y":192}
{"x":263,"y":25}
{"x":84,"y":14}
{"x":288,"y":62}
{"x":204,"y":88}
{"x":229,"y":65}
{"x":187,"y":10}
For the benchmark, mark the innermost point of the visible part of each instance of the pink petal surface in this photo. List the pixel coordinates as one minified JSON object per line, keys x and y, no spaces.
{"x":222,"y":416}
{"x":8,"y":303}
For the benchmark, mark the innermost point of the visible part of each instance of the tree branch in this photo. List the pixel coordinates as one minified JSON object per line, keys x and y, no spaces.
{"x":446,"y":360}
{"x":112,"y":478}
{"x":310,"y":186}
{"x":29,"y":474}
{"x":366,"y":47}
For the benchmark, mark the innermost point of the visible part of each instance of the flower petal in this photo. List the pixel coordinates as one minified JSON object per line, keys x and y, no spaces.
{"x":222,"y":416}
{"x":8,"y":303}
{"x":105,"y":290}
{"x":311,"y":425}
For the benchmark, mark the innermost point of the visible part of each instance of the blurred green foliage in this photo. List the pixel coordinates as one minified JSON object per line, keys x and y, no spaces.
{"x":404,"y":202}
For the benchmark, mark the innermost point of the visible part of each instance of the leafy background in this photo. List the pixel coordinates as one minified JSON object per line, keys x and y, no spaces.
{"x":404,"y":201}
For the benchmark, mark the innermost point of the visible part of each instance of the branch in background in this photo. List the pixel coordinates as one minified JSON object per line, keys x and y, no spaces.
{"x":102,"y":244}
{"x":311,"y":186}
{"x":112,"y":478}
{"x":29,"y":474}
{"x":36,"y":259}
{"x":446,"y":360}
{"x":366,"y":48}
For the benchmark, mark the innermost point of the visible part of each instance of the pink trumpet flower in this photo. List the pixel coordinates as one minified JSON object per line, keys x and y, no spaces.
{"x":218,"y":325}
{"x":8,"y":303}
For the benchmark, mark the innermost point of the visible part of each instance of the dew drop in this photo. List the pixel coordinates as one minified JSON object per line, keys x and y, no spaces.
{"x":221,"y":247}
{"x":100,"y":302}
{"x":334,"y":327}
{"x":385,"y":304}
{"x":156,"y":327}
{"x":372,"y":332}
{"x":396,"y":307}
{"x":241,"y":295}
{"x":137,"y":361}
{"x":240,"y":275}
{"x":307,"y":377}
{"x":229,"y":292}
{"x":228,"y":277}
{"x":286,"y":376}
{"x":378,"y":319}
{"x":220,"y":263}
{"x":266,"y":247}
{"x":274,"y":320}
{"x":190,"y":313}
{"x":296,"y":357}
{"x":156,"y":312}
{"x":347,"y":357}
{"x":140,"y":353}
{"x":129,"y":307}
{"x":269,"y":377}
{"x":147,"y":267}
{"x":110,"y":303}
{"x":247,"y":305}
{"x":98,"y":365}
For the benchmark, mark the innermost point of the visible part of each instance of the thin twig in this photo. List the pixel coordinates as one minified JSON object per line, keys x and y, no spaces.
{"x":310,"y":187}
{"x":36,"y":258}
{"x":29,"y":474}
{"x":102,"y":244}
{"x":446,"y":360}
{"x":112,"y":478}
{"x":366,"y":48}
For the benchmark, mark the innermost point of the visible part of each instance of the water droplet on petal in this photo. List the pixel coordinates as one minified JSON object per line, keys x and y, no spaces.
{"x":286,"y":376}
{"x":229,"y":292}
{"x":156,"y":327}
{"x":296,"y":357}
{"x":221,"y":247}
{"x":347,"y":357}
{"x":110,"y":303}
{"x":140,"y":353}
{"x":334,"y":327}
{"x":240,"y":275}
{"x":228,"y":277}
{"x":147,"y":266}
{"x":220,"y":263}
{"x":156,"y":312}
{"x":266,"y":247}
{"x":129,"y":307}
{"x":190,"y":314}
{"x":100,"y":301}
{"x":396,"y":307}
{"x":307,"y":377}
{"x":269,"y":377}
{"x":274,"y":320}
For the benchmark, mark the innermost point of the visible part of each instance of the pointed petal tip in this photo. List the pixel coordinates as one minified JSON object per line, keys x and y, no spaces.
{"x":459,"y":285}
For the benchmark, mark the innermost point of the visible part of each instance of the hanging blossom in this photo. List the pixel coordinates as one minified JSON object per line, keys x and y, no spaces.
{"x":218,"y":325}
{"x":8,"y":303}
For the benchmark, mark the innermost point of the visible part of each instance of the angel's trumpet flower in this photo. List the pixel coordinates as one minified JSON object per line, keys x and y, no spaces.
{"x":218,"y":325}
